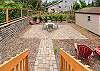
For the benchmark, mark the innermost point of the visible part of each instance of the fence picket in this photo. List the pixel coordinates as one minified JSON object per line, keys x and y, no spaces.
{"x":69,"y":63}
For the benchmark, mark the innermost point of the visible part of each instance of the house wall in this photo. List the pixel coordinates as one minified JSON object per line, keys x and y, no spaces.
{"x":93,"y":25}
{"x":65,"y":6}
{"x":53,"y":7}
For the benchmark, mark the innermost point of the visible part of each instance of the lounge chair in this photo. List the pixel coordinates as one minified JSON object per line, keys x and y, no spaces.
{"x":82,"y":50}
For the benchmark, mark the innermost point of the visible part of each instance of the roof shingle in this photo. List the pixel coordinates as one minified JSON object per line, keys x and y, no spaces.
{"x":89,"y":10}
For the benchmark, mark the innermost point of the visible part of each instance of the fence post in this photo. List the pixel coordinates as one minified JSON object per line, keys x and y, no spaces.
{"x":61,"y":65}
{"x":7,"y":16}
{"x":21,"y":13}
{"x":26,"y":63}
{"x":27,"y":12}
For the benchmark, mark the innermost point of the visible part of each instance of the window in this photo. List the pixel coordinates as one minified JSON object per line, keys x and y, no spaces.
{"x":89,"y":18}
{"x":66,"y":1}
{"x":59,"y":6}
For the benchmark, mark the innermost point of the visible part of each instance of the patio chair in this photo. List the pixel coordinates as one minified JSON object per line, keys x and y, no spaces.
{"x":97,"y":51}
{"x":31,"y":22}
{"x":38,"y":21}
{"x":82,"y":50}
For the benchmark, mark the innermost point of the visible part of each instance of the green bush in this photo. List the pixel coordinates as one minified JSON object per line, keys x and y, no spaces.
{"x":2,"y":16}
{"x":13,"y":14}
{"x":53,"y":17}
{"x":55,"y":50}
{"x":45,"y":18}
{"x":34,"y":18}
{"x":71,"y":18}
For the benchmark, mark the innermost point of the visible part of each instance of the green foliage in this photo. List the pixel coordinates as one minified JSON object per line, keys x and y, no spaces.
{"x":34,"y":18}
{"x":71,"y":18}
{"x":80,"y":5}
{"x":13,"y":14}
{"x":92,"y":4}
{"x":10,"y":4}
{"x":97,"y":3}
{"x":52,"y":3}
{"x":55,"y":50}
{"x":76,"y":6}
{"x":2,"y":16}
{"x":55,"y":17}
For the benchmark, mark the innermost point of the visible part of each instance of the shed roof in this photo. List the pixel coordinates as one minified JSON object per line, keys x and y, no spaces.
{"x":89,"y":10}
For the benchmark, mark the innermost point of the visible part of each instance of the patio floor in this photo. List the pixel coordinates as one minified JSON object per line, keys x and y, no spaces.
{"x":45,"y":59}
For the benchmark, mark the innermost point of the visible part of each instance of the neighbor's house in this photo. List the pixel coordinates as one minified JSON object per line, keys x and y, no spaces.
{"x":89,"y":18}
{"x":61,"y":6}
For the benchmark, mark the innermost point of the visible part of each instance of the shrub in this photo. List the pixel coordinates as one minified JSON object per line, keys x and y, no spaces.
{"x":40,"y":18}
{"x":71,"y":18}
{"x":53,"y":17}
{"x":34,"y":18}
{"x":2,"y":16}
{"x":13,"y":14}
{"x":55,"y":50}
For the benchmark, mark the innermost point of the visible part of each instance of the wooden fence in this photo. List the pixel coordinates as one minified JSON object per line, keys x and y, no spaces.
{"x":69,"y":63}
{"x":17,"y":63}
{"x":23,"y":12}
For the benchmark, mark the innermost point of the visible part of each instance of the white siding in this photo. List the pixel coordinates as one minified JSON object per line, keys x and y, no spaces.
{"x":93,"y":25}
{"x":65,"y":6}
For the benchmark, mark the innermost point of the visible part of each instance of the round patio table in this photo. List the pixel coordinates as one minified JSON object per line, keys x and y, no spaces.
{"x":48,"y":26}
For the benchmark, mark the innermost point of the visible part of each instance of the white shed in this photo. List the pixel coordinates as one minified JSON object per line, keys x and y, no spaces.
{"x":89,"y":18}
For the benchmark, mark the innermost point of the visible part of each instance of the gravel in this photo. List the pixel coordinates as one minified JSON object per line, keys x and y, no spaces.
{"x":68,"y":44}
{"x":17,"y":44}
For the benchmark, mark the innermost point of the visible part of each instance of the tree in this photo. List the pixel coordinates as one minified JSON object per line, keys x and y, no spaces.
{"x":91,"y":4}
{"x":76,"y":6}
{"x":9,"y":4}
{"x":82,"y":3}
{"x":79,"y":5}
{"x":97,"y":2}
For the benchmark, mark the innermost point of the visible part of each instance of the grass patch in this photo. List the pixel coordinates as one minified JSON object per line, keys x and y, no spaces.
{"x":55,"y":50}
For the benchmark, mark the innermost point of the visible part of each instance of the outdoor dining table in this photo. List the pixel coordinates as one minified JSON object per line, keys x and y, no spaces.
{"x":97,"y":49}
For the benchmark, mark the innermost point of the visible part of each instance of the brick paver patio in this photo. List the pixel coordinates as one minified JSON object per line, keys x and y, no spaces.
{"x":63,"y":32}
{"x":45,"y":59}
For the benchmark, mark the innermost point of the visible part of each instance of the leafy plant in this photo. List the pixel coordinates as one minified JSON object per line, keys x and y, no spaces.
{"x":34,"y":18}
{"x":2,"y":16}
{"x":71,"y":18}
{"x":13,"y":14}
{"x":55,"y":50}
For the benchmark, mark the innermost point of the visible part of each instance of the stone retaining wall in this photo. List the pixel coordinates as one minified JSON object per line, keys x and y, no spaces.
{"x":9,"y":41}
{"x":8,"y":31}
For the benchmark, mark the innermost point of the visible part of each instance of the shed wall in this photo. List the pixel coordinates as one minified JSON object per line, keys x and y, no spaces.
{"x":93,"y":25}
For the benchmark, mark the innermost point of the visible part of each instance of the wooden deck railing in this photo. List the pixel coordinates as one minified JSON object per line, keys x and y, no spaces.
{"x":69,"y":63}
{"x":17,"y":63}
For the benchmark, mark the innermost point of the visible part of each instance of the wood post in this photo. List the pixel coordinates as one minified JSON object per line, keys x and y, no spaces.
{"x":21,"y":66}
{"x":21,"y":13}
{"x":61,"y":63}
{"x":68,"y":63}
{"x":27,"y":12}
{"x":17,"y":68}
{"x":7,"y":18}
{"x":26,"y":63}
